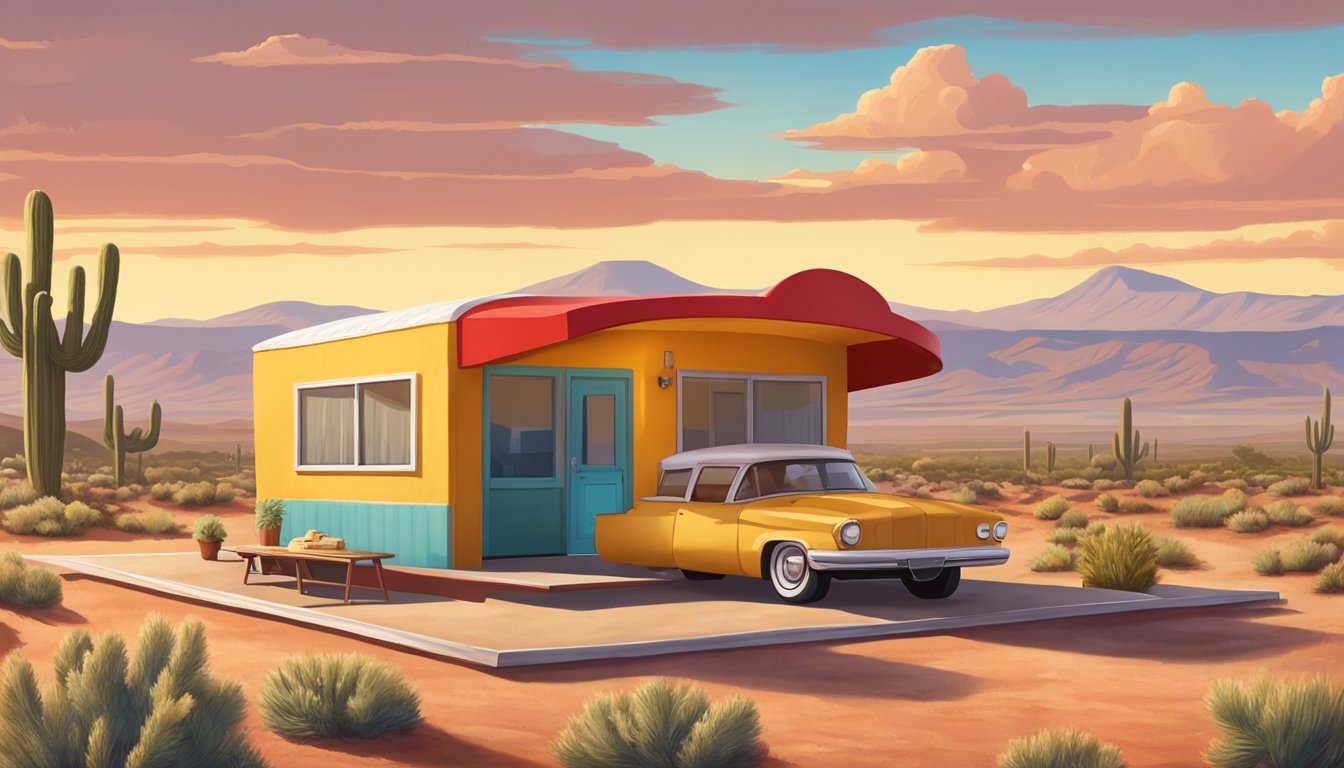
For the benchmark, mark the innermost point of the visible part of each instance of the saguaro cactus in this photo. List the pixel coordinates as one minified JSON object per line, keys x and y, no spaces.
{"x":1089,"y":454}
{"x":238,"y":458}
{"x":1319,"y":440}
{"x":1125,"y":443}
{"x":27,"y":331}
{"x":114,"y":431}
{"x":1154,"y":450}
{"x":1026,"y":450}
{"x":1049,"y":458}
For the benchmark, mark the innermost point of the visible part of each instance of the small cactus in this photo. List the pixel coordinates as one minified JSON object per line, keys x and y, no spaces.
{"x":1049,"y":458}
{"x":1125,"y":444}
{"x":1319,"y":440}
{"x":1154,"y":450}
{"x":1026,"y":450}
{"x":238,"y":459}
{"x":114,"y":431}
{"x":1090,"y":453}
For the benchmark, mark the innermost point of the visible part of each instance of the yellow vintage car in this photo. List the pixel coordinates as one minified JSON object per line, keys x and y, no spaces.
{"x":797,"y":516}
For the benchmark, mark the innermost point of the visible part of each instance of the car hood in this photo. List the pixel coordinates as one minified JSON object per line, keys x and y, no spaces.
{"x":857,"y":505}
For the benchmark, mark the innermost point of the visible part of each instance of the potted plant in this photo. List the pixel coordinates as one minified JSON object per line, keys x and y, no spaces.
{"x":209,"y":534}
{"x":270,"y":514}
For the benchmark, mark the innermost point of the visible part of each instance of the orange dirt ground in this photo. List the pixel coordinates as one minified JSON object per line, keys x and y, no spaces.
{"x":937,"y":700}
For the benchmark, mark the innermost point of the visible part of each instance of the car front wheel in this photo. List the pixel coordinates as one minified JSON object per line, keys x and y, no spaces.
{"x":942,"y":585}
{"x":793,"y":579}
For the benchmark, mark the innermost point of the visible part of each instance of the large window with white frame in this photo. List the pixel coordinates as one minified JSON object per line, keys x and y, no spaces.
{"x":358,"y":424}
{"x":731,"y":408}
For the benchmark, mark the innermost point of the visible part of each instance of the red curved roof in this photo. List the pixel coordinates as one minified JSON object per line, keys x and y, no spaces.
{"x":514,"y":325}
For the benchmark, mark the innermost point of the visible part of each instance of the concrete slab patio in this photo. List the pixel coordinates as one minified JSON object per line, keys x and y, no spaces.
{"x":499,"y":625}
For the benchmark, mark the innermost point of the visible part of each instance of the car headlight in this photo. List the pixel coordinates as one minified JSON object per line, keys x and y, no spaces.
{"x":982,"y":530}
{"x":1001,"y":530}
{"x":850,"y":533}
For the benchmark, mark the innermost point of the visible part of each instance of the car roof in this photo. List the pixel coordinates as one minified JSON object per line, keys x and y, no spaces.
{"x":752,"y":453}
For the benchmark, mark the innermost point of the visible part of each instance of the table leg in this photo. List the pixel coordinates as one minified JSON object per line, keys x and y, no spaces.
{"x":247,"y":568}
{"x":299,"y":568}
{"x":378,"y":569}
{"x":349,"y":579}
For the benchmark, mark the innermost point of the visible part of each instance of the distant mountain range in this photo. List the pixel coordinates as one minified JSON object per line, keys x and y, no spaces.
{"x":1185,"y":355}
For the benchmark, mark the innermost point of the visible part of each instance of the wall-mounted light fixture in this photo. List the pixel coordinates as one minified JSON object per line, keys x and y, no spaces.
{"x":669,"y":363}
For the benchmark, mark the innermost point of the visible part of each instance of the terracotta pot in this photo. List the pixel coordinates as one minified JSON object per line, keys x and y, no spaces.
{"x":209,"y":549}
{"x":269,"y":537}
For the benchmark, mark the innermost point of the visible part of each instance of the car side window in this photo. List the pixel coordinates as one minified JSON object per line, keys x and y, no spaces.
{"x":747,"y":488}
{"x":713,"y":483}
{"x":674,"y":482}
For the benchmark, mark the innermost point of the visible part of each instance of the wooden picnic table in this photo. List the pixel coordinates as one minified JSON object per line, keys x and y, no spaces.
{"x":301,"y":560}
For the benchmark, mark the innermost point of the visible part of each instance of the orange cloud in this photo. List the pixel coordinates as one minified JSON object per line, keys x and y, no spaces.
{"x":936,"y":100}
{"x":1325,"y":244}
{"x":294,"y":50}
{"x":918,"y":167}
{"x":24,"y":45}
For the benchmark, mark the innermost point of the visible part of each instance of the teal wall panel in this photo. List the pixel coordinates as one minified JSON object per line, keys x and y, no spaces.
{"x":525,"y":521}
{"x":418,"y":534}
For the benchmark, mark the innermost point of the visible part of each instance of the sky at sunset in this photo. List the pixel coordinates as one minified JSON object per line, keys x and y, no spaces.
{"x":954,"y":154}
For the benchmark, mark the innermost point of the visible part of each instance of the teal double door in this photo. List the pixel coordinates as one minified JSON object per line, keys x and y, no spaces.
{"x":557,"y":447}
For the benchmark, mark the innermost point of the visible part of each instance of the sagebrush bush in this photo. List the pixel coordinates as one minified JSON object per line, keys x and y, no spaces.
{"x":149,"y":521}
{"x":156,"y":475}
{"x":1135,"y":506}
{"x":1095,"y":529}
{"x":1234,"y":500}
{"x":1330,"y":580}
{"x":1052,"y":508}
{"x":1252,"y":520}
{"x":1073,"y":518}
{"x":26,"y":586}
{"x":337,"y":696}
{"x":1277,"y":723}
{"x":1150,"y":489}
{"x":102,"y":481}
{"x":1174,"y":553}
{"x":1108,"y":502}
{"x":1060,"y":748}
{"x":1105,"y":461}
{"x":202,"y":494}
{"x":1293,"y":486}
{"x":1077,"y":483}
{"x":16,"y":463}
{"x":1307,"y":556}
{"x":1267,"y":562}
{"x":1199,"y":512}
{"x":1287,"y":512}
{"x":164,"y":491}
{"x":1124,"y":558}
{"x":160,"y":708}
{"x":1237,"y":483}
{"x":48,"y":516}
{"x":1065,"y":537}
{"x":1056,"y":557}
{"x":1330,"y":534}
{"x":17,"y":494}
{"x":1264,"y":480}
{"x":963,"y":496}
{"x":665,"y":725}
{"x":1330,"y":505}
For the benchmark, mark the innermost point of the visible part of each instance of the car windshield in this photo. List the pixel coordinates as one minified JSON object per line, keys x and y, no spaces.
{"x":802,"y":476}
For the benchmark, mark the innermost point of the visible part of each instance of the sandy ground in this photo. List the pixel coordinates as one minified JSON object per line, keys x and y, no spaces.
{"x":934,"y":700}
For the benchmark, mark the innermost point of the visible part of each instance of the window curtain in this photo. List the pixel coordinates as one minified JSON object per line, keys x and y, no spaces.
{"x":787,"y":412}
{"x":327,"y":419}
{"x":385,"y":426}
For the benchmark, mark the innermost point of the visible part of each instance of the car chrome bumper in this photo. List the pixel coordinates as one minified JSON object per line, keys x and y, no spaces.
{"x":900,"y":559}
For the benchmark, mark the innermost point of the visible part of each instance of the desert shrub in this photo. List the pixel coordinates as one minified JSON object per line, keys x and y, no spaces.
{"x":1095,"y":529}
{"x":1330,"y":505}
{"x":1065,"y":537}
{"x":202,"y":494}
{"x":1123,"y":557}
{"x":156,"y":475}
{"x":208,"y":528}
{"x":1267,"y":562}
{"x":1077,"y":483}
{"x":1330,"y":534}
{"x":1307,"y":556}
{"x":27,"y":586}
{"x":1330,"y":580}
{"x":244,"y":482}
{"x":102,"y":481}
{"x":160,"y":708}
{"x":16,"y":463}
{"x":985,"y":490}
{"x":337,"y":696}
{"x":1276,"y":723}
{"x":879,"y":475}
{"x":149,"y":521}
{"x":1060,"y":748}
{"x":1252,"y":520}
{"x":1237,"y":483}
{"x":164,"y":491}
{"x":1102,"y":484}
{"x":16,"y":495}
{"x":1107,"y":502}
{"x":1151,"y":489}
{"x":1287,"y":512}
{"x":1199,"y":512}
{"x":1234,"y":500}
{"x":1135,"y":506}
{"x":1052,"y":508}
{"x":1104,"y":461}
{"x":1293,"y":486}
{"x":48,"y":516}
{"x":1073,"y":518}
{"x":662,"y":724}
{"x":1174,"y":553}
{"x":1055,"y":558}
{"x":963,"y":496}
{"x":1178,"y":484}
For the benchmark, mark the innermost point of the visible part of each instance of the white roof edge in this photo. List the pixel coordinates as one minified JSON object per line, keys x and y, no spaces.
{"x":380,"y":322}
{"x":752,"y":453}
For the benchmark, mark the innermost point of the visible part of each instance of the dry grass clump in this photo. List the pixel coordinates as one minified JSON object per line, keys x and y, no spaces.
{"x":1174,"y":553}
{"x":27,"y":586}
{"x":1200,"y":512}
{"x":1134,"y":507}
{"x":1073,"y":518}
{"x":1293,"y":486}
{"x":1331,"y":580}
{"x":1060,"y":748}
{"x":1307,"y":556}
{"x":1332,"y":506}
{"x":1330,"y":534}
{"x":337,"y":696}
{"x":1108,"y":502}
{"x":1287,"y":512}
{"x":49,"y":516}
{"x":1065,"y":537}
{"x":1123,"y":557}
{"x":1151,"y":489}
{"x":1267,"y":562}
{"x":1277,"y":723}
{"x":150,"y":521}
{"x":16,"y":495}
{"x":1052,"y":508}
{"x":1252,"y":520}
{"x":1077,"y":484}
{"x":1056,"y":557}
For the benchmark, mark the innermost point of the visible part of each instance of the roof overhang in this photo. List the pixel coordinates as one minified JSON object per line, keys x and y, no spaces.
{"x":897,"y":349}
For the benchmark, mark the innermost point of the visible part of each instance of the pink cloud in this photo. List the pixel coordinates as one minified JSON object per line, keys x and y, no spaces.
{"x":918,"y":167}
{"x":24,"y":45}
{"x":936,"y":101}
{"x":296,"y":50}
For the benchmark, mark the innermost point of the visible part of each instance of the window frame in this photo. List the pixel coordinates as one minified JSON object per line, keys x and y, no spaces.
{"x":751,"y":379}
{"x":412,"y":377}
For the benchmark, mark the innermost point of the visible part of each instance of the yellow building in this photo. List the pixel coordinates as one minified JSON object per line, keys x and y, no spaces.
{"x":502,"y":426}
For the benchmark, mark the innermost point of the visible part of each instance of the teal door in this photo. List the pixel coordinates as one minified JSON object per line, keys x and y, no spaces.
{"x":598,"y":454}
{"x":524,"y":491}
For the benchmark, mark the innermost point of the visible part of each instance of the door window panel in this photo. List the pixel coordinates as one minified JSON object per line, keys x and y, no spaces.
{"x":522,"y":426}
{"x":599,"y":430}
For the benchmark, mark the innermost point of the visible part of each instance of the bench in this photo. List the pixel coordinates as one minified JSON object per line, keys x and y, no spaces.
{"x":262,"y":557}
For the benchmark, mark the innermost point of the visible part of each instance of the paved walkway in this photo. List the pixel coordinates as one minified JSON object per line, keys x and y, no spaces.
{"x":501,"y":626}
